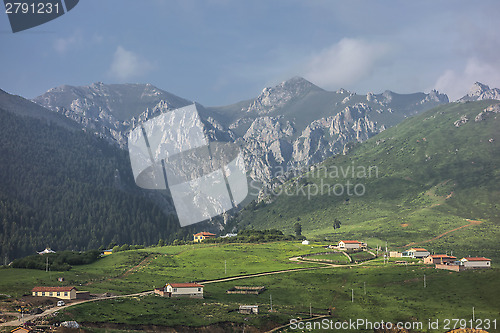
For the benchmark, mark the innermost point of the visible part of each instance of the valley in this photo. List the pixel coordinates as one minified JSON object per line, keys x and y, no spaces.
{"x":373,"y":290}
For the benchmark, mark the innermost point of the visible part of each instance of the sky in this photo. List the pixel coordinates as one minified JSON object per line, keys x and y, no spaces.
{"x":219,"y":52}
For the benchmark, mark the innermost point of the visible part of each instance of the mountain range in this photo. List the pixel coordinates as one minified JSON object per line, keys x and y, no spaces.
{"x":290,"y":127}
{"x":432,"y":180}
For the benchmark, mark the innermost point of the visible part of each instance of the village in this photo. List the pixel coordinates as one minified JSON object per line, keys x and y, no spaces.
{"x":64,"y":296}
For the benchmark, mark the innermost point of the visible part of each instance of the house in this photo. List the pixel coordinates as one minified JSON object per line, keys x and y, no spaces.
{"x":350,"y":244}
{"x":193,"y":290}
{"x":395,"y":254}
{"x":58,"y":292}
{"x":201,"y":236}
{"x":249,"y":309}
{"x":107,"y":252}
{"x":416,"y":252}
{"x":475,"y":262}
{"x":439,"y":259}
{"x":305,"y":242}
{"x":47,"y":250}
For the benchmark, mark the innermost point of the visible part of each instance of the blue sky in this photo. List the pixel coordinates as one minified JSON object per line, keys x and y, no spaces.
{"x":219,"y":52}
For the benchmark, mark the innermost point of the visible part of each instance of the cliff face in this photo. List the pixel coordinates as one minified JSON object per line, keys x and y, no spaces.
{"x":292,"y":125}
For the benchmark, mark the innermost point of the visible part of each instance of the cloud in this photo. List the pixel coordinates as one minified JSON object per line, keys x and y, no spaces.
{"x":127,"y":65}
{"x":456,"y":83}
{"x":62,"y":45}
{"x":345,"y":63}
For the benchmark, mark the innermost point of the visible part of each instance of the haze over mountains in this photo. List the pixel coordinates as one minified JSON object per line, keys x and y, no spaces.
{"x":58,"y":183}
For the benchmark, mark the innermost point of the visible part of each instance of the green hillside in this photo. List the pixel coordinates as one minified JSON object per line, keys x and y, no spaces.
{"x":65,"y":189}
{"x":411,"y":183}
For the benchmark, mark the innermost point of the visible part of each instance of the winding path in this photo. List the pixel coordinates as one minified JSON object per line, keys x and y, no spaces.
{"x":472,"y":222}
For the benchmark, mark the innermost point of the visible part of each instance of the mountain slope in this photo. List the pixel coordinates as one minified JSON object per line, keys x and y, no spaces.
{"x":66,"y":189}
{"x":410,"y":183}
{"x":107,"y":110}
{"x":23,"y":107}
{"x":301,"y":120}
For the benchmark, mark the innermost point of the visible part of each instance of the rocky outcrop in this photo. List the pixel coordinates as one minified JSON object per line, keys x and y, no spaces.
{"x":328,"y":136}
{"x":488,"y":112}
{"x":479,"y":92}
{"x":272,"y":99}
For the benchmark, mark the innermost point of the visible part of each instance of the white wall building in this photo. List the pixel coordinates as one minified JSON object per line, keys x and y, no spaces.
{"x":416,"y":252}
{"x":476,"y":262}
{"x":350,"y":244}
{"x":194,"y":290}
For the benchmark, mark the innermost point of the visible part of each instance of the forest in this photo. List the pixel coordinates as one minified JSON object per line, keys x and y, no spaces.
{"x":70,"y":190}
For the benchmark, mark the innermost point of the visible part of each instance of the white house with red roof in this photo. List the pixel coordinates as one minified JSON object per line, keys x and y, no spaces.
{"x":475,"y":262}
{"x":350,"y":244}
{"x":201,"y":236}
{"x":416,"y":252}
{"x":194,"y":290}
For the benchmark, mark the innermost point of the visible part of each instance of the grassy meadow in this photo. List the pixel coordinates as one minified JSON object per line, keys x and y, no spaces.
{"x":388,"y":292}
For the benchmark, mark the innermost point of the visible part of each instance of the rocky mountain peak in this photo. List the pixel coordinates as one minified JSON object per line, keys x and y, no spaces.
{"x":480,"y":91}
{"x":274,"y":98}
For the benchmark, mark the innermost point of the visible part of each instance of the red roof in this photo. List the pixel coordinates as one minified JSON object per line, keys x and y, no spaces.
{"x":477,"y":259}
{"x":204,"y":233}
{"x":419,"y":249}
{"x":438,"y":256}
{"x":185,"y":285}
{"x":351,"y":242}
{"x":53,"y":289}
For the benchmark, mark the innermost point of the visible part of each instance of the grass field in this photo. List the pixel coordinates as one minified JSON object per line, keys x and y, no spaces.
{"x":163,"y":264}
{"x":336,"y":257}
{"x":393,"y":292}
{"x":360,"y":256}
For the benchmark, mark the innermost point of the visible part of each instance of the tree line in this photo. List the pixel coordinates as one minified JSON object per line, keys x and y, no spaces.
{"x":69,"y":190}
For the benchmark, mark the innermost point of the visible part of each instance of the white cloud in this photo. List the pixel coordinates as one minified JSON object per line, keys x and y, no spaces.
{"x":345,"y":63}
{"x":62,"y":45}
{"x":127,"y":65}
{"x":456,"y":83}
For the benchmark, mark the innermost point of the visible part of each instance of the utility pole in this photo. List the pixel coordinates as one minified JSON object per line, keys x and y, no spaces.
{"x":473,"y":316}
{"x":225,"y":267}
{"x":352,"y":295}
{"x":425,"y":285}
{"x":310,"y":310}
{"x":47,"y":265}
{"x":271,"y":301}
